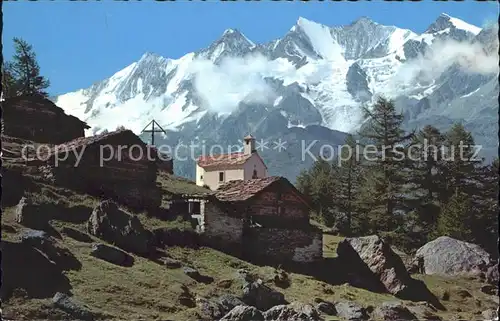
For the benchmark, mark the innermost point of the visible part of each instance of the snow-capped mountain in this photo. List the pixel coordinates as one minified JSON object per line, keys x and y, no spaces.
{"x":309,"y":85}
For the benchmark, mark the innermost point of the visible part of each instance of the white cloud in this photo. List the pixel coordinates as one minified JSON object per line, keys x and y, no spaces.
{"x":224,"y":86}
{"x":470,"y":57}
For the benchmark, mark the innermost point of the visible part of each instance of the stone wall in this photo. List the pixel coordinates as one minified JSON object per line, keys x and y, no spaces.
{"x":221,"y":230}
{"x":283,"y":245}
{"x":265,"y":210}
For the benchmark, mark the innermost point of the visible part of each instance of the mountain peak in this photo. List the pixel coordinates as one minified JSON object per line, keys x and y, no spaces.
{"x":232,"y":35}
{"x":445,"y":21}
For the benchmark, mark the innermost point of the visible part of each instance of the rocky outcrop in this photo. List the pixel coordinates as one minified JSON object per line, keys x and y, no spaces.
{"x":243,"y":313}
{"x":423,"y":311}
{"x":392,"y":311}
{"x":492,"y":275}
{"x":196,"y":275}
{"x":111,"y":224}
{"x":261,"y":296}
{"x":327,"y":308}
{"x":295,"y":311}
{"x":374,"y":260}
{"x":215,"y":309}
{"x":111,"y":255}
{"x":351,"y":311}
{"x":448,"y":256}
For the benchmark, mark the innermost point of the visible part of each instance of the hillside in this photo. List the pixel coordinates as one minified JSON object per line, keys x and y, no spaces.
{"x":308,"y":85}
{"x":149,"y":289}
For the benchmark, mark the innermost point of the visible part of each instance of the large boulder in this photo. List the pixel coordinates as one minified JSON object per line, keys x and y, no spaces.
{"x":295,"y":311}
{"x":351,"y":311}
{"x":111,"y":224}
{"x":448,"y":256}
{"x":392,"y":311}
{"x":215,"y":309}
{"x":423,"y":311}
{"x":30,"y":214}
{"x":111,"y":255}
{"x":243,"y":313}
{"x":261,"y":296}
{"x":71,"y":306}
{"x":374,"y":260}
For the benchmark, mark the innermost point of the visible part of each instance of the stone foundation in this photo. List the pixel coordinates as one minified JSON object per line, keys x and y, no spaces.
{"x":283,"y":245}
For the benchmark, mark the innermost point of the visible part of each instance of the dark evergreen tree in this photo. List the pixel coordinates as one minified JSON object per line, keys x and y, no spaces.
{"x":26,"y":71}
{"x":9,"y":86}
{"x":460,"y":167}
{"x":456,"y":219}
{"x":349,"y":179}
{"x":384,"y":194}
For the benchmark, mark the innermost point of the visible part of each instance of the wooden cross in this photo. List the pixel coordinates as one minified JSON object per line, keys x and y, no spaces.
{"x":153,"y":131}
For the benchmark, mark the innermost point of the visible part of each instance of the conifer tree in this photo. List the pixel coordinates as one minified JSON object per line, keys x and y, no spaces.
{"x":460,"y":169}
{"x":426,"y":163}
{"x":9,"y":86}
{"x":384,"y":193}
{"x":26,"y":71}
{"x":456,"y":218}
{"x":349,"y":178}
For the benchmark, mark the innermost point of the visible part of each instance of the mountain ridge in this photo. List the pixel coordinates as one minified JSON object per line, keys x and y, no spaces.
{"x":315,"y":75}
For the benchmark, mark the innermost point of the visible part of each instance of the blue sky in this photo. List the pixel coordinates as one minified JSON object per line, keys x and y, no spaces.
{"x":79,"y":43}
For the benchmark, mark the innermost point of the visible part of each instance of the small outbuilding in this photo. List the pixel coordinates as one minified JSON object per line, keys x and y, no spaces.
{"x":38,"y":119}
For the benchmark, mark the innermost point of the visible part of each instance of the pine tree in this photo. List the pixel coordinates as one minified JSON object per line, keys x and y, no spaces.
{"x":485,"y":227}
{"x":384,"y":193}
{"x":460,"y":169}
{"x":9,"y":86}
{"x":426,"y":180}
{"x":349,"y":178}
{"x":456,"y":218}
{"x":427,"y":162}
{"x":26,"y":71}
{"x":318,"y":183}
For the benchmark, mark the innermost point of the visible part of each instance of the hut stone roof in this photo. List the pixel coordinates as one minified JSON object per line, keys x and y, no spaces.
{"x":38,"y":104}
{"x":127,"y":135}
{"x":232,"y":159}
{"x":242,"y":190}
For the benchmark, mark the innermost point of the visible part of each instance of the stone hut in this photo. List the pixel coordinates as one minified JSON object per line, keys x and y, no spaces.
{"x":262,"y":219}
{"x":38,"y":119}
{"x":118,"y":165}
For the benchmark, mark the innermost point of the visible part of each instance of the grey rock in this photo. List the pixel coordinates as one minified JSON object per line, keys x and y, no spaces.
{"x":29,"y":214}
{"x":111,"y":224}
{"x":351,"y":311}
{"x":76,"y":235}
{"x":295,"y":311}
{"x":192,"y":273}
{"x":392,"y":311}
{"x":489,"y":289}
{"x":327,"y":308}
{"x":71,"y":306}
{"x":171,"y":263}
{"x":111,"y":254}
{"x":424,"y":311}
{"x":209,"y":310}
{"x":228,"y":302}
{"x":243,"y":313}
{"x":261,"y":296}
{"x":448,"y":256}
{"x":490,"y":314}
{"x":370,"y":253}
{"x":492,"y":275}
{"x":36,"y":238}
